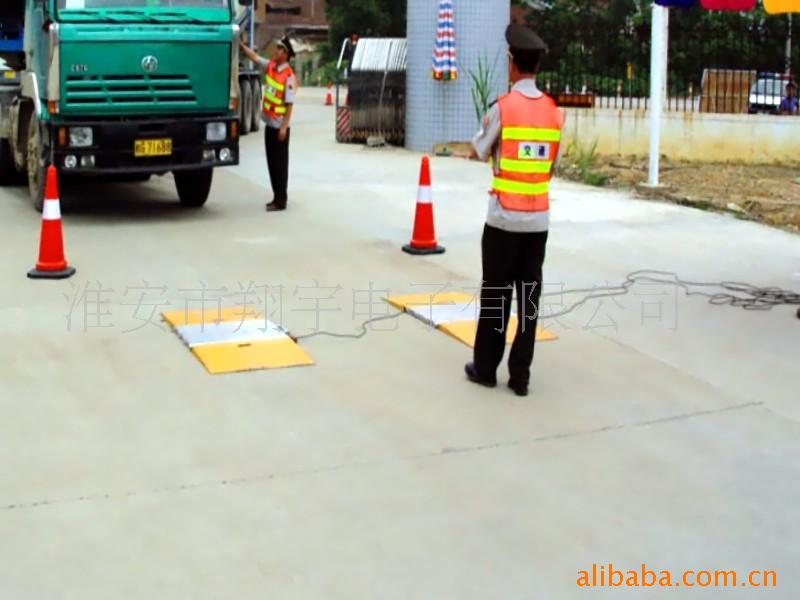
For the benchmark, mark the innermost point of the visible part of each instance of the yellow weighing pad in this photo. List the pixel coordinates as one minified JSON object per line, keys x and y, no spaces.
{"x":232,"y":340}
{"x":234,"y":358}
{"x":464,"y":331}
{"x":456,"y":314}
{"x":176,"y":318}
{"x":414,"y":300}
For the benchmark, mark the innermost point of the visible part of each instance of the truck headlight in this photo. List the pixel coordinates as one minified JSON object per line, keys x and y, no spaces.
{"x":80,"y":137}
{"x":216,"y":132}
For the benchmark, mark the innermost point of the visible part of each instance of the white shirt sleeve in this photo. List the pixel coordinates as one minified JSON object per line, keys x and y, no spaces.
{"x":290,"y":91}
{"x":486,"y":139}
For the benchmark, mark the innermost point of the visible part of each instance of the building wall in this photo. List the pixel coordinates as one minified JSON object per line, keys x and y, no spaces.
{"x":441,"y":112}
{"x":311,"y":18}
{"x":755,"y":139}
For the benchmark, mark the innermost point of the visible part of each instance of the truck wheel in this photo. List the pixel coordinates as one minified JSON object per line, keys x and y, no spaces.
{"x":256,"y":124}
{"x":8,"y":173}
{"x":246,"y":95}
{"x":193,"y":186}
{"x":36,"y":167}
{"x":239,"y":109}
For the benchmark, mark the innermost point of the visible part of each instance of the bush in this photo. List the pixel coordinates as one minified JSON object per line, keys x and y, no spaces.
{"x":324,"y":74}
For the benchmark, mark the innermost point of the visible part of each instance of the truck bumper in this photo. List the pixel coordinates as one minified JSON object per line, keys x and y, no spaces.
{"x":113,"y":142}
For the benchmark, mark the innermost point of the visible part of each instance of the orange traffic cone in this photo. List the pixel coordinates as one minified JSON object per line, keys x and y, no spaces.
{"x":423,"y":240}
{"x":329,"y":96}
{"x":51,"y":264}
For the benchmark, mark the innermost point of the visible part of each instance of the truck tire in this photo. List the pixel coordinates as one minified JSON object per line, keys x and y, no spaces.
{"x":246,"y":95}
{"x":256,"y":86}
{"x":8,"y":172}
{"x":36,"y":167}
{"x":193,"y":186}
{"x":239,"y":109}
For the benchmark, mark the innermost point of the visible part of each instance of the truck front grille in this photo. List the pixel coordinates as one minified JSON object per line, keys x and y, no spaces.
{"x":97,"y":91}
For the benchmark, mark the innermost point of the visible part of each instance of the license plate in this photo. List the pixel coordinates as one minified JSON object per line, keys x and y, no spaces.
{"x":152,"y":147}
{"x":9,"y":74}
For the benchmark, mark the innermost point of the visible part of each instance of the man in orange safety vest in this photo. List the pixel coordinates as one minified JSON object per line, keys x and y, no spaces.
{"x":279,"y":88}
{"x":522,"y":134}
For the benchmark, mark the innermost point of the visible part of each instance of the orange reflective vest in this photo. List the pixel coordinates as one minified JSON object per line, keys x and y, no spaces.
{"x":275,"y":82}
{"x":530,"y":138}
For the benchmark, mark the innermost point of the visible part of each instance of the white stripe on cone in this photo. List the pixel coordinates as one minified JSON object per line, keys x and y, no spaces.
{"x":51,"y":210}
{"x":424,"y":195}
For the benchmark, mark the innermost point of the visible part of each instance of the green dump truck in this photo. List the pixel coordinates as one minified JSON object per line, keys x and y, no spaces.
{"x":119,"y":88}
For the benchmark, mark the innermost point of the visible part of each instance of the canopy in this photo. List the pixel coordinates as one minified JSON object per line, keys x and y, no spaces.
{"x":781,"y":6}
{"x":736,"y":5}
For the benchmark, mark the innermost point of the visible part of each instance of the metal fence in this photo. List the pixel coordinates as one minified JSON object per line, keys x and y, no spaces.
{"x":719,"y":63}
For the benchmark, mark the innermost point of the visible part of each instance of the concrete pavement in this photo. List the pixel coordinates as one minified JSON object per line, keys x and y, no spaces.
{"x":660,"y":430}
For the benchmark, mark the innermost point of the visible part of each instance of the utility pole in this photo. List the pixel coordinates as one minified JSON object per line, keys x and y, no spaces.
{"x":659,"y":44}
{"x":789,"y":44}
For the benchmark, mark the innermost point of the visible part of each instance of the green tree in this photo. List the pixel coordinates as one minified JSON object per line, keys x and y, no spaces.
{"x":598,"y":39}
{"x":365,"y":18}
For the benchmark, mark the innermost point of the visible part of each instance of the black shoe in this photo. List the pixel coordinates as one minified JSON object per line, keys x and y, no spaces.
{"x":472,"y":375}
{"x":519,"y":389}
{"x":273,"y":206}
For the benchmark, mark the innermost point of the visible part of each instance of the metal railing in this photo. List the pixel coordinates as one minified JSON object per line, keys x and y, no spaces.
{"x":718,"y":63}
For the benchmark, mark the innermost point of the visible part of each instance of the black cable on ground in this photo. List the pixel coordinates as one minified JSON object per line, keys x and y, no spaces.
{"x":723,"y":293}
{"x":351,"y":336}
{"x":739,"y":295}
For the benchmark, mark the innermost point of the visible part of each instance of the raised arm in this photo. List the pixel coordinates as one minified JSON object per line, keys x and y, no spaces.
{"x":249,"y":52}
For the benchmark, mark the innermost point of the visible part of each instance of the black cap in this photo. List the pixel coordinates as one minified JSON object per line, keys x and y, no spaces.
{"x":520,"y":37}
{"x":284,"y":41}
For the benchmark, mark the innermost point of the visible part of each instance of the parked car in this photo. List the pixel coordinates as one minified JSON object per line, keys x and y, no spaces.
{"x":766,"y":94}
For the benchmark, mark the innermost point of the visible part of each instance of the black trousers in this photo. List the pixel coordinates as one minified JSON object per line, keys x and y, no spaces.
{"x":511,"y":261}
{"x":277,"y":163}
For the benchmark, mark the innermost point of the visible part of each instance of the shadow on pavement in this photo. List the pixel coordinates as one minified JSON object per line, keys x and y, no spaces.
{"x":102,"y":201}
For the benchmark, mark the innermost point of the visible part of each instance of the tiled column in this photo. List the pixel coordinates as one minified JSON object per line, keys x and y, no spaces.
{"x":438,"y":112}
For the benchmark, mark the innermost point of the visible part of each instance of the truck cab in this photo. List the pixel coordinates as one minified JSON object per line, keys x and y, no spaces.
{"x":120,"y":88}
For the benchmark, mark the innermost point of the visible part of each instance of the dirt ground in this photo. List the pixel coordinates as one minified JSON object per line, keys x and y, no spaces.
{"x":765,"y":193}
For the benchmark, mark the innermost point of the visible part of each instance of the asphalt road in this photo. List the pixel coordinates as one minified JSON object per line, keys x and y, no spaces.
{"x":660,"y":429}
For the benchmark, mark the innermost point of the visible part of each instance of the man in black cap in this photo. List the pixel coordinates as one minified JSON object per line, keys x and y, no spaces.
{"x":522,"y":133}
{"x":280,"y":86}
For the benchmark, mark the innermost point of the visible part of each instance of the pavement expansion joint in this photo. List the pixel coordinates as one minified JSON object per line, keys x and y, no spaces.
{"x":443,"y":452}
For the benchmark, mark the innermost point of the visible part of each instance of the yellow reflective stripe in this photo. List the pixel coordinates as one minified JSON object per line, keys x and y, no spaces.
{"x":278,"y":110}
{"x":518,"y":187}
{"x":272,"y":99}
{"x":273,"y":83}
{"x":525,"y":166}
{"x":531,"y":134}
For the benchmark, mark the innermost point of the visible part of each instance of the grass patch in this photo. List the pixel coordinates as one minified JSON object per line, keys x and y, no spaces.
{"x":578,"y":163}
